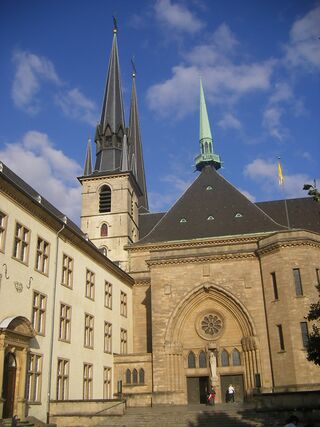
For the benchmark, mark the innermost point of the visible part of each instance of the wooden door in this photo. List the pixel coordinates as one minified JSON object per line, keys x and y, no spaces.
{"x":9,"y":385}
{"x":193,"y":390}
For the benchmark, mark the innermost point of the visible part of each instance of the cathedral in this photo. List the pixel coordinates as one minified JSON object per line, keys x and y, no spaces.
{"x":210,"y":293}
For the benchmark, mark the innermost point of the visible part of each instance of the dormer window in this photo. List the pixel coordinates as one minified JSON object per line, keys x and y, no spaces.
{"x":210,"y":218}
{"x":238,"y":215}
{"x":182,"y":220}
{"x":209,"y":188}
{"x":105,"y":199}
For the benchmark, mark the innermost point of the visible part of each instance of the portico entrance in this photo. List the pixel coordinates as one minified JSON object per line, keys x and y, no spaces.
{"x":15,"y":335}
{"x":9,"y":384}
{"x":197,"y":388}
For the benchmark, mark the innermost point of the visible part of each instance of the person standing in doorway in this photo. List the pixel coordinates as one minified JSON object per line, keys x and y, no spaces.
{"x":231,"y":393}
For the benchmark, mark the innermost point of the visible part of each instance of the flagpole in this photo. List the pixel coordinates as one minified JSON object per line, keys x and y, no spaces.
{"x":281,"y":183}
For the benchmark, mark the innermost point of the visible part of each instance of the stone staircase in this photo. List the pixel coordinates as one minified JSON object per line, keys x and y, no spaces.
{"x":221,"y":415}
{"x":8,"y":422}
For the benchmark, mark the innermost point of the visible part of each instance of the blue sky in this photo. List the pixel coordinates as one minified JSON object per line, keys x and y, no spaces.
{"x":259,"y":62}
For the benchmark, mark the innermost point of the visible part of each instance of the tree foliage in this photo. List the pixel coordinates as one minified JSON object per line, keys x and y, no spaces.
{"x":313,"y":346}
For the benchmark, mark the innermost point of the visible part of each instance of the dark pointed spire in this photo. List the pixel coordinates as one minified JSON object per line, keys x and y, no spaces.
{"x":88,"y":163}
{"x":135,"y":144}
{"x":111,"y":129}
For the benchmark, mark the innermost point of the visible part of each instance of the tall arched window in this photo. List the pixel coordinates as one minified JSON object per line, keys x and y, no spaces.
{"x":191,"y":360}
{"x":224,"y":358}
{"x":128,"y":376}
{"x":105,"y":199}
{"x":104,"y":230}
{"x":236,"y":359}
{"x":202,"y":360}
{"x":141,"y":376}
{"x":134,"y":376}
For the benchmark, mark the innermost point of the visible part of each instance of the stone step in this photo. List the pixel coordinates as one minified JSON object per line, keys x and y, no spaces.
{"x":7,"y":422}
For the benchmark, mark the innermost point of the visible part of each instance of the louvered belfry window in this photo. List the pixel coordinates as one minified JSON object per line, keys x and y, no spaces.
{"x":105,"y":199}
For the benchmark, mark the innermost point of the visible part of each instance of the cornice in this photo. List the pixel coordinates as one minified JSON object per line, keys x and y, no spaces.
{"x":163,"y":246}
{"x":202,"y":259}
{"x":142,"y":282}
{"x":288,"y":243}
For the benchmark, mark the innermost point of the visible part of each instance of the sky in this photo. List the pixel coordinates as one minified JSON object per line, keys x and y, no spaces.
{"x":259,"y":62}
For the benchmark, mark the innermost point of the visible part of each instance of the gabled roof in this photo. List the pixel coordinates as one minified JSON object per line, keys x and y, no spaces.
{"x":211,"y":207}
{"x":303,"y":212}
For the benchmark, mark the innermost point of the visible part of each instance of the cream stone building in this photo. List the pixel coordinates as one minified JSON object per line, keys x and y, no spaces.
{"x":213,"y":292}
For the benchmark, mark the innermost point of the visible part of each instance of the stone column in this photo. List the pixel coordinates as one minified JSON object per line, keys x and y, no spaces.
{"x":21,"y":383}
{"x":2,"y":356}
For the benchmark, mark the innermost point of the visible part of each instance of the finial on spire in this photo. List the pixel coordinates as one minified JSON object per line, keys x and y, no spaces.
{"x":134,"y":71}
{"x":88,"y":163}
{"x":115,"y":27}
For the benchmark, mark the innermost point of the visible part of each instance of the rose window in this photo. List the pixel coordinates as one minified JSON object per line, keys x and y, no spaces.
{"x":211,"y":324}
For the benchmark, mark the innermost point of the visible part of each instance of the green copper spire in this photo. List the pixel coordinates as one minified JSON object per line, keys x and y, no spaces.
{"x":207,"y":155}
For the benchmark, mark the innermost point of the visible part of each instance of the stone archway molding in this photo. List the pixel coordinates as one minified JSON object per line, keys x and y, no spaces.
{"x":218,"y":295}
{"x":19,"y":325}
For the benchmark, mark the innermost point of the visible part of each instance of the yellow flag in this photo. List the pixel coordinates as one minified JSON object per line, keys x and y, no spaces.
{"x":280,"y":174}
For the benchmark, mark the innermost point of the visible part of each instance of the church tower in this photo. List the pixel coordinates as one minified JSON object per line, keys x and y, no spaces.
{"x":114,"y":191}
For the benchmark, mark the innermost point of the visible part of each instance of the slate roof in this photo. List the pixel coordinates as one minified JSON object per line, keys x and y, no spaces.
{"x":303,"y":212}
{"x":210,"y":207}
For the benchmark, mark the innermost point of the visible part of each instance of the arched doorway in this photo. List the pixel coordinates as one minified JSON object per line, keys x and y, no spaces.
{"x":9,"y":384}
{"x":212,"y":321}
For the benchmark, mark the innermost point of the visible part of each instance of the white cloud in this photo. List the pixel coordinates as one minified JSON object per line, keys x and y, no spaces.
{"x":282,"y":92}
{"x":76,"y":105}
{"x":272,"y":122}
{"x":47,"y":170}
{"x":303,"y":47}
{"x":223,"y":84}
{"x":265,"y":173}
{"x":229,"y":121}
{"x":177,"y":17}
{"x":31,"y":71}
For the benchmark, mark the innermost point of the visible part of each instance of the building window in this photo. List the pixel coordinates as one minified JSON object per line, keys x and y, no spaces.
{"x":281,"y":340}
{"x":87,"y":380}
{"x":297,"y":281}
{"x":318,"y":276}
{"x":39,"y":312}
{"x":67,"y":271}
{"x":3,"y":228}
{"x":224,"y":358}
{"x":108,"y":295}
{"x":191,"y":360}
{"x":274,"y":285}
{"x":123,"y":341}
{"x":63,"y":379}
{"x":107,"y":385}
{"x":34,"y":377}
{"x":128,"y":376}
{"x":105,"y":199}
{"x":88,"y":330}
{"x":42,"y":256}
{"x":304,"y":333}
{"x":123,"y":304}
{"x":141,"y":376}
{"x":65,"y":322}
{"x":90,"y":277}
{"x":134,"y":376}
{"x":21,"y":243}
{"x":202,"y":360}
{"x":236,"y":359}
{"x":104,"y":230}
{"x":107,"y":337}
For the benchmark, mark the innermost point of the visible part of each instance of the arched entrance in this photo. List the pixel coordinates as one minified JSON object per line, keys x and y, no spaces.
{"x":9,"y":384}
{"x":212,"y":321}
{"x":15,"y":335}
